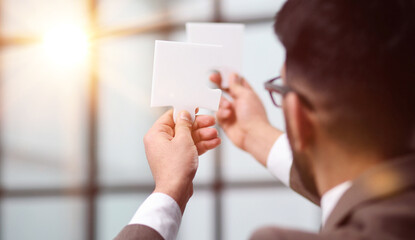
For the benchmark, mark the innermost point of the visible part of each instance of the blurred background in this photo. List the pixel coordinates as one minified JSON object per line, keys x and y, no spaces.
{"x":75,"y":84}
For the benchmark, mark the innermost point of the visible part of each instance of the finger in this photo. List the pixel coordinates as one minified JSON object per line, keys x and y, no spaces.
{"x":245,"y":83}
{"x":183,"y":125}
{"x":203,"y":121}
{"x":204,"y":146}
{"x":236,"y":87}
{"x":166,"y":118}
{"x":224,"y":103}
{"x":216,"y":79}
{"x":204,"y":134}
{"x":196,"y":110}
{"x":165,"y":123}
{"x":224,"y":114}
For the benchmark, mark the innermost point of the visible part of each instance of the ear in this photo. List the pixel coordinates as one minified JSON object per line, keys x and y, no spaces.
{"x":300,"y":122}
{"x":283,"y":71}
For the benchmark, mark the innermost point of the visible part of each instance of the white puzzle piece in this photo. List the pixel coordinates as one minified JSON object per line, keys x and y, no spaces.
{"x":180,"y":76}
{"x":228,"y":35}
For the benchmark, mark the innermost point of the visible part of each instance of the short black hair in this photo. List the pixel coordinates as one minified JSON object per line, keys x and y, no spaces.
{"x":361,"y":55}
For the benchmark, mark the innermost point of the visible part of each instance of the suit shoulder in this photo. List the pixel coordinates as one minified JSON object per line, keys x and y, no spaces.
{"x":400,"y":205}
{"x":390,"y":218}
{"x":138,"y":232}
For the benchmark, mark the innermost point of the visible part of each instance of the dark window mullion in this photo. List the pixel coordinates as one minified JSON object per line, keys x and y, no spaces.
{"x":92,"y":111}
{"x":1,"y":130}
{"x":218,"y":180}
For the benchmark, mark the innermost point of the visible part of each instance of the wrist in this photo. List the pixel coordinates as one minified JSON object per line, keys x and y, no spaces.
{"x":181,"y":193}
{"x":260,"y":140}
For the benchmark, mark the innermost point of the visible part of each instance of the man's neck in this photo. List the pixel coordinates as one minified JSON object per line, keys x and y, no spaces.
{"x":334,"y":169}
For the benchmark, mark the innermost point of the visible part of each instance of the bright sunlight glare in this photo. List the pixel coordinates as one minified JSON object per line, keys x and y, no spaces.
{"x":66,"y":44}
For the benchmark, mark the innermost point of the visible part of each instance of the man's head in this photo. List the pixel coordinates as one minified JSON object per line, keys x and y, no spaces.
{"x":353,"y":61}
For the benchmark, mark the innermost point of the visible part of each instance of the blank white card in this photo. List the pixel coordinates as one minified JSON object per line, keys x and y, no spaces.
{"x":228,"y":35}
{"x":180,"y":74}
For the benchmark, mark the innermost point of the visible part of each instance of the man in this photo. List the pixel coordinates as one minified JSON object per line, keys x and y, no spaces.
{"x":348,"y":96}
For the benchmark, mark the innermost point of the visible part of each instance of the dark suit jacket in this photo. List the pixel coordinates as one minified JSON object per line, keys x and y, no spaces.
{"x":379,"y":205}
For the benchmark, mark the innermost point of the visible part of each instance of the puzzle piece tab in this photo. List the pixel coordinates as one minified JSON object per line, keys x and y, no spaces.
{"x":180,"y":74}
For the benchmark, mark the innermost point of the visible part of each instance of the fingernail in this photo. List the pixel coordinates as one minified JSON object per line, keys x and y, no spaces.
{"x":185,"y":116}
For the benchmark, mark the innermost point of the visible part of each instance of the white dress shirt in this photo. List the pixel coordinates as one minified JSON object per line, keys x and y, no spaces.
{"x":160,"y":212}
{"x":330,"y":199}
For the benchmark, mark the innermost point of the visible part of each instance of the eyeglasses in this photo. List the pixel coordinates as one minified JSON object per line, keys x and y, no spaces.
{"x":277,"y":90}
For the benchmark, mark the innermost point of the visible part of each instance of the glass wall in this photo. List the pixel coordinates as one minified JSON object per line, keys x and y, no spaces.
{"x":75,"y":83}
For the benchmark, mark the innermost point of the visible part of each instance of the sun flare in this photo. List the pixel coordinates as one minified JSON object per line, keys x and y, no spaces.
{"x":66,"y":44}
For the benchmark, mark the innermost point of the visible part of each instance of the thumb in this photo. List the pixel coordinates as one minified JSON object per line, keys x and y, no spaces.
{"x":183,"y":125}
{"x":236,"y":87}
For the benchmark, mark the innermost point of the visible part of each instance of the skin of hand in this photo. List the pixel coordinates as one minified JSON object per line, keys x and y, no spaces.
{"x":172,"y":152}
{"x":244,"y":119}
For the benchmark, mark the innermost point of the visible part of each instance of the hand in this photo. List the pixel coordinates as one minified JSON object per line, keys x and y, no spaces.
{"x":172,"y":152}
{"x":244,"y":119}
{"x":205,"y":138}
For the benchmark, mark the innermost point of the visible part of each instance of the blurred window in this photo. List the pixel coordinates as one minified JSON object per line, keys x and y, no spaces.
{"x":75,"y":84}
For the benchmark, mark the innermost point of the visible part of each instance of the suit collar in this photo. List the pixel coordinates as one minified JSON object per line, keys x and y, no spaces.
{"x":330,"y":199}
{"x":380,"y":181}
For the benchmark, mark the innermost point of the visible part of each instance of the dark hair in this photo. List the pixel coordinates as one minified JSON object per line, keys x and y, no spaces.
{"x":360,"y":55}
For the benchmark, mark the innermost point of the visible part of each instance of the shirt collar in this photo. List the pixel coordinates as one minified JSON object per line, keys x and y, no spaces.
{"x":331,"y":198}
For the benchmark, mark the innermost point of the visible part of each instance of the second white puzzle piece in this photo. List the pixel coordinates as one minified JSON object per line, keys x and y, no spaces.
{"x":228,"y":35}
{"x":180,"y":74}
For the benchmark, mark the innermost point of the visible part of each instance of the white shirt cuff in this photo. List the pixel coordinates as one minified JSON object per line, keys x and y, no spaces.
{"x":160,"y":212}
{"x":280,"y":159}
